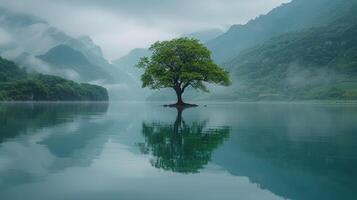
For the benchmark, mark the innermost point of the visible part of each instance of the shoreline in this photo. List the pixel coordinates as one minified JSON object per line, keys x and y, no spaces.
{"x":199,"y":103}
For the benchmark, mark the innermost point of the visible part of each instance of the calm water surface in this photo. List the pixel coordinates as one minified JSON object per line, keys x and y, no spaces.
{"x":144,"y":151}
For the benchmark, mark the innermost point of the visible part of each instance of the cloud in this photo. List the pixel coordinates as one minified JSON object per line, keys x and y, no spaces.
{"x":121,"y":25}
{"x":5,"y":37}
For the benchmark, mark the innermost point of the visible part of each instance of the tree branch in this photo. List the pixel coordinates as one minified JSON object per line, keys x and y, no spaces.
{"x":186,"y":85}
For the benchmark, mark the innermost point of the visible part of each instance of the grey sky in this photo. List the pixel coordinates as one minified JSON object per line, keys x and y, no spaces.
{"x":121,"y":25}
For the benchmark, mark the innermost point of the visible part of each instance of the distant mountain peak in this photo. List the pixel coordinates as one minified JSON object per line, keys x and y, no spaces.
{"x":131,"y":58}
{"x":89,"y":44}
{"x":65,"y":57}
{"x":67,"y":53}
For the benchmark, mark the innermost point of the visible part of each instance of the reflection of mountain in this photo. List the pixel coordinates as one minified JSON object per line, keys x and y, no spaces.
{"x":37,"y":139}
{"x":181,"y":147}
{"x":298,"y":152}
{"x":16,"y":119}
{"x":77,"y":148}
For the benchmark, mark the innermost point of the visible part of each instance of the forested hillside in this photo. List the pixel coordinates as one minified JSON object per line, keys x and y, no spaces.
{"x":17,"y":85}
{"x":317,"y":63}
{"x":293,"y":16}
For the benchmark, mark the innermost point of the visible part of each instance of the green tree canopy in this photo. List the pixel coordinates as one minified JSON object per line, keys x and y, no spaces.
{"x":179,"y":64}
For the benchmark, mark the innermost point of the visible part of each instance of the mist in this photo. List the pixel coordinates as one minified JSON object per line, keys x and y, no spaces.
{"x":120,"y":26}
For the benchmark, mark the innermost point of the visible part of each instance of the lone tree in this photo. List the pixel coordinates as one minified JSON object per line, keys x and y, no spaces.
{"x":179,"y":64}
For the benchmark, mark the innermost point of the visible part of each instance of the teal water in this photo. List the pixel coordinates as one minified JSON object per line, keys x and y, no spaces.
{"x":144,"y":151}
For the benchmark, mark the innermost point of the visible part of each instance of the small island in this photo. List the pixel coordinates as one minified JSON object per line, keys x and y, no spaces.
{"x":18,"y":85}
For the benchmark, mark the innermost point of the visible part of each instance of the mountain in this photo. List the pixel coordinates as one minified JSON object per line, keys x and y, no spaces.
{"x":127,"y":63}
{"x":290,"y":17}
{"x":65,"y":57}
{"x":36,"y":36}
{"x":17,"y":85}
{"x":316,"y":63}
{"x":205,"y":35}
{"x":93,"y":53}
{"x":10,"y":72}
{"x":41,"y":48}
{"x":32,"y":36}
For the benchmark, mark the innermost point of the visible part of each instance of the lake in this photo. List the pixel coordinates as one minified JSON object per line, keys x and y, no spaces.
{"x":134,"y":151}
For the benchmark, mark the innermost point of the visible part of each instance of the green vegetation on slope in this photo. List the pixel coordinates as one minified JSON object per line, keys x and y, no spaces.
{"x":293,"y":16}
{"x":318,"y":63}
{"x":17,"y":85}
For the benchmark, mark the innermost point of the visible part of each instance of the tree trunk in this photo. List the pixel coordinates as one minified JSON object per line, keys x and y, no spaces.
{"x":179,"y":91}
{"x":178,"y":121}
{"x":179,"y":97}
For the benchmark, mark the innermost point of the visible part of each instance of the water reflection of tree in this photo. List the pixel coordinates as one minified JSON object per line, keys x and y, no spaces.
{"x":181,"y":147}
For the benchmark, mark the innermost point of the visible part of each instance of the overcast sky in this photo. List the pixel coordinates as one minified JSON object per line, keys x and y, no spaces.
{"x":121,"y":25}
